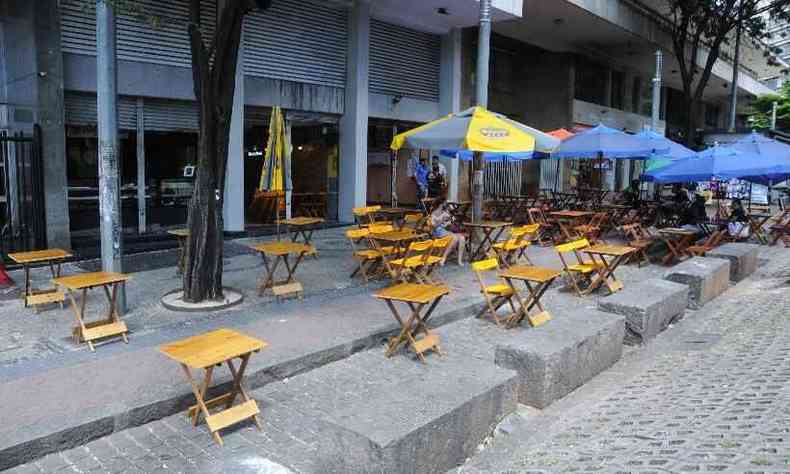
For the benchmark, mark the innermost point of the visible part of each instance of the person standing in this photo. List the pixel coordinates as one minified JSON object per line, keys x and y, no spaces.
{"x":421,"y":179}
{"x":436,"y":181}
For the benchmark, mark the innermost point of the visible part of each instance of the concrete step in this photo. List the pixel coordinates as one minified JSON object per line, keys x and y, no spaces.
{"x":370,"y":413}
{"x":51,"y":409}
{"x":742,"y":257}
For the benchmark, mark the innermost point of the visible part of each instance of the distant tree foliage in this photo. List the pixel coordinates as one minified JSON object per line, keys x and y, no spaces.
{"x":700,"y":25}
{"x":760,"y":117}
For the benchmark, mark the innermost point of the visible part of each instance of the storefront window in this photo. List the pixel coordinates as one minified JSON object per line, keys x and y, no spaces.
{"x":590,"y":81}
{"x":170,"y":159}
{"x":83,"y":179}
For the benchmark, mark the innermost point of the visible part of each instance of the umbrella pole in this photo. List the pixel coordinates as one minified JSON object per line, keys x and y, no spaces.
{"x":557,"y":176}
{"x":477,"y":187}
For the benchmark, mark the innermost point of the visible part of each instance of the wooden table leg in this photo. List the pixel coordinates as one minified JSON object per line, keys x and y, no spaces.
{"x":535,"y":294}
{"x":199,"y":399}
{"x":27,"y":283}
{"x":238,"y":385}
{"x":79,"y":311}
{"x":268,"y":281}
{"x":113,"y":316}
{"x":396,"y":341}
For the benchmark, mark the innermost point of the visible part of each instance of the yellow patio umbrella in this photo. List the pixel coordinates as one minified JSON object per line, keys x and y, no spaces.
{"x":476,"y":129}
{"x":275,"y":175}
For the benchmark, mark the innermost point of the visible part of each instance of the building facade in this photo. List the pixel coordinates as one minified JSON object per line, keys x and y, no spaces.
{"x":349,"y":74}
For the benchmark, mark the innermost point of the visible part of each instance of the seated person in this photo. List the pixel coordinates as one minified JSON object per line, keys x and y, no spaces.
{"x":440,"y":220}
{"x":737,"y":221}
{"x":695,"y":215}
{"x":631,"y":194}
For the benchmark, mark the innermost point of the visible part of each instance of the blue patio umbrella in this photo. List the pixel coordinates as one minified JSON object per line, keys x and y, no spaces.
{"x":717,"y":162}
{"x":675,"y":150}
{"x":660,"y":160}
{"x":604,"y":142}
{"x":770,"y":159}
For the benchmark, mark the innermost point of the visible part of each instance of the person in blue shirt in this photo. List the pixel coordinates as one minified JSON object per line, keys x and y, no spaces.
{"x":421,"y":178}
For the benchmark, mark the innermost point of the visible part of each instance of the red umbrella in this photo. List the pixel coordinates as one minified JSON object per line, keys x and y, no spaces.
{"x":5,"y":280}
{"x":561,"y":133}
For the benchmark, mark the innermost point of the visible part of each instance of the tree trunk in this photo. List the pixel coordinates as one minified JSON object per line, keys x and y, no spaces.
{"x":202,"y":277}
{"x":215,"y":86}
{"x":691,"y":125}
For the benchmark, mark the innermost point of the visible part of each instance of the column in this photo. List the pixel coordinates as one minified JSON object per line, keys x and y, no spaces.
{"x":354,"y":123}
{"x":233,"y":199}
{"x":49,"y":78}
{"x":450,"y":96}
{"x":141,"y":202}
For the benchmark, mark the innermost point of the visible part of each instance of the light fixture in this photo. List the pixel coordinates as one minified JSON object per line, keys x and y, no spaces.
{"x":442,"y":11}
{"x":558,"y":21}
{"x":300,"y":148}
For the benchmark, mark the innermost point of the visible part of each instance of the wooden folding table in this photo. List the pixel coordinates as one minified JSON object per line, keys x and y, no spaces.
{"x":417,"y":296}
{"x":204,"y":352}
{"x":302,"y":227}
{"x":112,"y":325}
{"x":569,"y":220}
{"x":677,"y":241}
{"x":605,"y":273}
{"x":542,"y":278}
{"x":181,"y":236}
{"x":487,"y":228}
{"x":281,"y":252}
{"x":399,"y":240}
{"x":53,"y":258}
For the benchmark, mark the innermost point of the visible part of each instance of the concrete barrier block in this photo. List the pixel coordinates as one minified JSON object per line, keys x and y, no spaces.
{"x":706,"y":278}
{"x":742,"y":257}
{"x":648,"y":306}
{"x":370,"y":413}
{"x":556,"y":358}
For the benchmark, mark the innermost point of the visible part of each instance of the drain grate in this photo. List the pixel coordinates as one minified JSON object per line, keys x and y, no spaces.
{"x":698,"y":342}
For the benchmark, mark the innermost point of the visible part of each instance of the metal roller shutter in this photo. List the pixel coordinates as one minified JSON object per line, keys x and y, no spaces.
{"x":502,"y":178}
{"x":166,"y":44}
{"x":80,"y":110}
{"x":404,"y":62}
{"x":297,"y":40}
{"x":162,"y":115}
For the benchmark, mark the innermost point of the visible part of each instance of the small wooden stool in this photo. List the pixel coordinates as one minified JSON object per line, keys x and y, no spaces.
{"x":206,"y":351}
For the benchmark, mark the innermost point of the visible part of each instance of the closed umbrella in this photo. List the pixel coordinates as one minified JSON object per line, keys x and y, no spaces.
{"x":275,"y":175}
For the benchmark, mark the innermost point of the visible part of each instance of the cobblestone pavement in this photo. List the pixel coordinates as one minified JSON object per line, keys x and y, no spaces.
{"x":712,"y":394}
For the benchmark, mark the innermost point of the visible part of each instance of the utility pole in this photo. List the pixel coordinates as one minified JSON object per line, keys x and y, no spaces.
{"x":107,"y":115}
{"x":773,"y":115}
{"x":735,"y":62}
{"x":483,"y":54}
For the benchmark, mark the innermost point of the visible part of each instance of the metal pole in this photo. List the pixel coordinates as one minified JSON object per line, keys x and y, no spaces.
{"x":483,"y":55}
{"x":657,"y":91}
{"x":107,"y":114}
{"x":734,"y":87}
{"x":141,"y":201}
{"x":773,"y":115}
